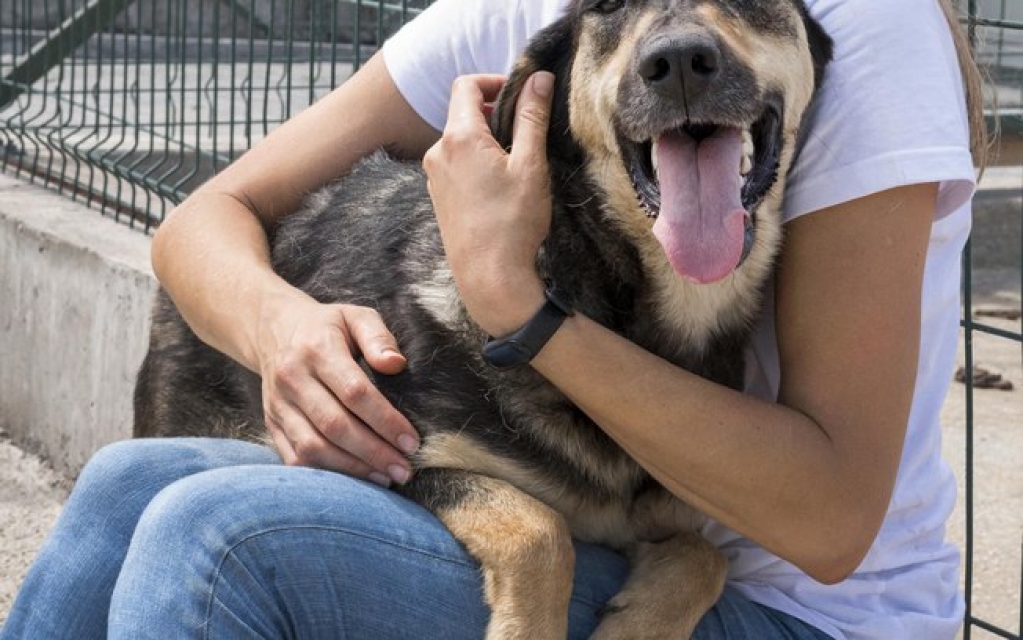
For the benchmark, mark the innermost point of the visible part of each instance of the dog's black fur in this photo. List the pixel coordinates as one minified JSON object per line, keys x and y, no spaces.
{"x":371,"y":239}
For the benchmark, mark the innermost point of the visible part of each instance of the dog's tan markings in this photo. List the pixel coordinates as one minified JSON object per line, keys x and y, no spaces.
{"x":526,"y":555}
{"x":670,"y":586}
{"x":778,"y":62}
{"x":656,"y":514}
{"x":588,"y":520}
{"x":593,"y":104}
{"x":450,"y":450}
{"x":439,"y":297}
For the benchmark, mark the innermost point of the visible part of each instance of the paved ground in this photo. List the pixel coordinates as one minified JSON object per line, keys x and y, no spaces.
{"x":998,"y":475}
{"x":30,"y":497}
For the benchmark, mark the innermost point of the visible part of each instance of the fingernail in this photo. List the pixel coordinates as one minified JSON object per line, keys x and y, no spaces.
{"x":407,"y":443}
{"x":398,"y":473}
{"x":388,"y":351}
{"x":380,"y":479}
{"x":543,"y":83}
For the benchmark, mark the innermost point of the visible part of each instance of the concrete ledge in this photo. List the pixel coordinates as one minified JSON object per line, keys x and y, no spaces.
{"x":75,"y":294}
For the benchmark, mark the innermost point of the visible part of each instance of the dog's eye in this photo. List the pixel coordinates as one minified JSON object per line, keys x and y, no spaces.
{"x":607,"y":6}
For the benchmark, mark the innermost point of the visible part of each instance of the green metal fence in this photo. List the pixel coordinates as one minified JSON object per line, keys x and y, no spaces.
{"x":129,"y":105}
{"x":996,"y":33}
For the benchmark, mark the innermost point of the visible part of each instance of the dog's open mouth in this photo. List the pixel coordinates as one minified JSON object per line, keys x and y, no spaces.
{"x":703,"y":183}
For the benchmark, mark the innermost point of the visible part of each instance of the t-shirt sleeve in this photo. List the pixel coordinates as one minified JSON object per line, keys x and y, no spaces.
{"x":891,"y":111}
{"x":456,"y":37}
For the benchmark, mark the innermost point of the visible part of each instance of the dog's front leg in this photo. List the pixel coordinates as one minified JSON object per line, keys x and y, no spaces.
{"x":523,"y":546}
{"x":671,"y":585}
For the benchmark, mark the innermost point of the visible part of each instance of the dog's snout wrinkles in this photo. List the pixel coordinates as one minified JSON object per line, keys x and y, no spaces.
{"x":680,"y":68}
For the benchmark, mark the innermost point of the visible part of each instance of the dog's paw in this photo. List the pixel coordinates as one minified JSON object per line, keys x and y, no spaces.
{"x":624,"y":620}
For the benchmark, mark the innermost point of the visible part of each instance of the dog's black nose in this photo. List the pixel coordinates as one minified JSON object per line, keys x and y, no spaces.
{"x":680,"y":68}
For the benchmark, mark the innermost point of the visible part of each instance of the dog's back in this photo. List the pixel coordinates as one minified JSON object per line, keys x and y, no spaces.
{"x":371,"y":240}
{"x":362,"y":240}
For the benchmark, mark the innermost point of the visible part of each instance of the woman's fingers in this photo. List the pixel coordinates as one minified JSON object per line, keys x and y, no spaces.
{"x":470,"y":96}
{"x":532,"y":120}
{"x":321,"y":406}
{"x":322,"y":456}
{"x":493,"y":207}
{"x":370,"y":337}
{"x":357,"y":393}
{"x":321,"y":432}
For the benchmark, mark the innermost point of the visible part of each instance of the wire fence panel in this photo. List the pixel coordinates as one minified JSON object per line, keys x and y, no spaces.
{"x":991,"y":328}
{"x":129,"y":106}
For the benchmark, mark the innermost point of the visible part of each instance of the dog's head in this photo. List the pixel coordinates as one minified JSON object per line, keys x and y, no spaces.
{"x":687,"y":114}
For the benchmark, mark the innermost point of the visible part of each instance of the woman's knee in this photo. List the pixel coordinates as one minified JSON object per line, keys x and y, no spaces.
{"x":121,"y":472}
{"x":178,"y":545}
{"x":128,"y":463}
{"x":225,"y":505}
{"x":118,"y":461}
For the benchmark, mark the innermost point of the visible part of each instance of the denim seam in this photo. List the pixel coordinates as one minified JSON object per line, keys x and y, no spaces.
{"x":206,"y":624}
{"x":230,"y":550}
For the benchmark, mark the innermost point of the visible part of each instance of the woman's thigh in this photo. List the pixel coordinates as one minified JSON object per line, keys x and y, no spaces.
{"x":277,"y":552}
{"x":734,"y":617}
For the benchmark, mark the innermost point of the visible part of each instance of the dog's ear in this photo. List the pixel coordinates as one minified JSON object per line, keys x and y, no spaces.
{"x":549,"y":50}
{"x":821,"y":47}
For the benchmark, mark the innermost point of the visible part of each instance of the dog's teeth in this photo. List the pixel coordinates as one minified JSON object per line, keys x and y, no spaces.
{"x":653,"y":156}
{"x":746,"y":164}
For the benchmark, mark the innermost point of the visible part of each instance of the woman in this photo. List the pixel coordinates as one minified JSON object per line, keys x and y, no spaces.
{"x":824,"y":482}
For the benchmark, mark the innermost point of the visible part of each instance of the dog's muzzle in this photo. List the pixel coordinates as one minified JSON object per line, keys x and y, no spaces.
{"x":703,"y":183}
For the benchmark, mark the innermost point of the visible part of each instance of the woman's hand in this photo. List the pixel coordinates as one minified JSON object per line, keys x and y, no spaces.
{"x":320,"y":407}
{"x":493,"y":207}
{"x":213,"y":257}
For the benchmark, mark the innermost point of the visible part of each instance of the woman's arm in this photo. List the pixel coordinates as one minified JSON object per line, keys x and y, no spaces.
{"x":212,"y":256}
{"x":808,"y":478}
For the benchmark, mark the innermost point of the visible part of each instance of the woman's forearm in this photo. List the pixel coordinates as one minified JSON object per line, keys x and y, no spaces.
{"x":808,"y":477}
{"x":765,"y":470}
{"x":211,"y":255}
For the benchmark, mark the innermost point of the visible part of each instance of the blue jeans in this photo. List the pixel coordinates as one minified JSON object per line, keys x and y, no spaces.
{"x":194,"y":538}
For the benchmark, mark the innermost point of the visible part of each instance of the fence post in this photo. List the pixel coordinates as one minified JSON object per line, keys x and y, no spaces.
{"x":58,"y":43}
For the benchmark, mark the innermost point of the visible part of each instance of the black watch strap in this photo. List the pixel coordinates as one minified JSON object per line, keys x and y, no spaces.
{"x":523,"y":345}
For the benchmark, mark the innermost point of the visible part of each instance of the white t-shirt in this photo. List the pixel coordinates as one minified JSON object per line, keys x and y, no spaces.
{"x":890,"y":113}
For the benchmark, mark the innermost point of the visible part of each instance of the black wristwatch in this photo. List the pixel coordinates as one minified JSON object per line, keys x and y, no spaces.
{"x":523,"y":345}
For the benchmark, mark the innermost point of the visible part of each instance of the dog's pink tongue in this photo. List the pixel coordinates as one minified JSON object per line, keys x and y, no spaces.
{"x":701,"y":222}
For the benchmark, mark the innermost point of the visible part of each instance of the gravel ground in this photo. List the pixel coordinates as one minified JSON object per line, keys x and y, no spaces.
{"x":997,"y":451}
{"x":31,"y":493}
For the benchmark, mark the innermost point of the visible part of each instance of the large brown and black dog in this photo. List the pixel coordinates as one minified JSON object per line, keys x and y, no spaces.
{"x":674,"y":124}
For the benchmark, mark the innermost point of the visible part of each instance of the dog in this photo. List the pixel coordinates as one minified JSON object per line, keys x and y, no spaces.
{"x":645,"y":90}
